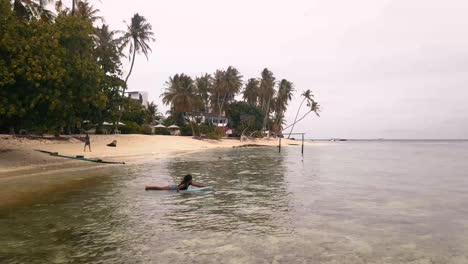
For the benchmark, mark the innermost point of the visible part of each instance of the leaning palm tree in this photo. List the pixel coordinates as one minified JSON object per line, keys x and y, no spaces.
{"x":137,"y":37}
{"x":181,"y":94}
{"x":314,"y":107}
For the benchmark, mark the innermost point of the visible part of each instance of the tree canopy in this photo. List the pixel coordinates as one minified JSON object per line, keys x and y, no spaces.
{"x":57,"y":71}
{"x":264,"y":106}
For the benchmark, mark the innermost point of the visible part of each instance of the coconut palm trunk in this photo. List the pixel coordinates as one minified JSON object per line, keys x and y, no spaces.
{"x":295,"y":119}
{"x":123,"y":90}
{"x":299,"y":120}
{"x":130,"y":72}
{"x":139,"y":34}
{"x":267,"y":114}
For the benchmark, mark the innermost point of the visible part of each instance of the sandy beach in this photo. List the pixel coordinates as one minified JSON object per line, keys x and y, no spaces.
{"x":20,"y":158}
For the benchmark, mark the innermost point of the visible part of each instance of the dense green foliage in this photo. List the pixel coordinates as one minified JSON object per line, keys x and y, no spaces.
{"x":58,"y":72}
{"x":264,"y":107}
{"x":245,"y":118}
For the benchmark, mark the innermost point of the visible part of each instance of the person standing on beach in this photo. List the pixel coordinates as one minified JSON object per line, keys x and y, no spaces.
{"x":87,"y":143}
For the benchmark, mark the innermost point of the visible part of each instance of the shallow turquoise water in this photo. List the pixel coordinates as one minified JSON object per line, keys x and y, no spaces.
{"x":353,"y":202}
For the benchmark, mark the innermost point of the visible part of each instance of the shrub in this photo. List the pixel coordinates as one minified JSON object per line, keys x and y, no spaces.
{"x":147,"y":130}
{"x":161,"y":131}
{"x":206,"y":128}
{"x":131,"y":128}
{"x":243,"y":116}
{"x":217,"y":133}
{"x":186,"y":130}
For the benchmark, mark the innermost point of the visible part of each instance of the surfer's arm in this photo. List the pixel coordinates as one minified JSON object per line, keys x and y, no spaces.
{"x":199,"y":185}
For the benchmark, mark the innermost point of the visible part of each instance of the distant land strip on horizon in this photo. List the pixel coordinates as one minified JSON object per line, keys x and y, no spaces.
{"x":389,"y":139}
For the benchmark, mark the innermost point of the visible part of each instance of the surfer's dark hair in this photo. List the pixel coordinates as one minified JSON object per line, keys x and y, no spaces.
{"x":187,"y":178}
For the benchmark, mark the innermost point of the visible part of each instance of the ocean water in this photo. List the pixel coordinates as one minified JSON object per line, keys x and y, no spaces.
{"x":346,"y":202}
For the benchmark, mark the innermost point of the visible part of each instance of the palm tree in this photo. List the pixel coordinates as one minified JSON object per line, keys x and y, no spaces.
{"x":280,"y":103}
{"x":181,"y":94}
{"x":217,"y":93}
{"x":204,"y":86}
{"x":314,"y":107}
{"x":59,"y":7}
{"x":86,"y":10}
{"x":251,"y":91}
{"x":226,"y":85}
{"x":29,"y":9}
{"x":137,"y":37}
{"x":108,"y":50}
{"x":267,"y":91}
{"x":152,"y":112}
{"x":233,"y":83}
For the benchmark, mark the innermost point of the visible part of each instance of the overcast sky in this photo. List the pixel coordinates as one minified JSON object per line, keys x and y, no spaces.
{"x":379,"y":68}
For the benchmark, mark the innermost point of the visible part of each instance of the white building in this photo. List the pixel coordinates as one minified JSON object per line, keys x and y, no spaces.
{"x":216,"y":120}
{"x":140,"y":96}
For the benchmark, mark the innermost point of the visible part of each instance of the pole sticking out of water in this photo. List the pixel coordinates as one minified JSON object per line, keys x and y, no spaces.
{"x":302,"y":151}
{"x":302,"y":147}
{"x":279,"y":146}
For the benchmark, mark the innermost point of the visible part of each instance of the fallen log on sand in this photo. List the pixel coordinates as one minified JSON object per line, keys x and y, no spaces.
{"x":80,"y":157}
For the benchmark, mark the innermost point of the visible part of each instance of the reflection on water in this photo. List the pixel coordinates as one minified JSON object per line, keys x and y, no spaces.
{"x":344,"y":203}
{"x":250,"y":194}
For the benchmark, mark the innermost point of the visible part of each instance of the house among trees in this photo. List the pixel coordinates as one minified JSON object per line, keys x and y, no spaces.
{"x":213,"y":119}
{"x":140,"y":96}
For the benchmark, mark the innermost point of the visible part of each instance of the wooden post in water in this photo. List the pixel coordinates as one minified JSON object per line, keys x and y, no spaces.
{"x":279,"y":146}
{"x":302,"y":145}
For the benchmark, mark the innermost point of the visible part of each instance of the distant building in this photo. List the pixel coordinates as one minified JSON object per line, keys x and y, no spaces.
{"x":140,"y":96}
{"x":215,"y":120}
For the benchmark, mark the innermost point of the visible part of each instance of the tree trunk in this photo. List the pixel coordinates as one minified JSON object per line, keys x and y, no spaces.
{"x":131,"y":69}
{"x":297,"y":114}
{"x":73,"y":7}
{"x":267,"y":114}
{"x":278,"y":124}
{"x":123,"y":90}
{"x":191,"y":125}
{"x":302,"y":117}
{"x":57,"y":131}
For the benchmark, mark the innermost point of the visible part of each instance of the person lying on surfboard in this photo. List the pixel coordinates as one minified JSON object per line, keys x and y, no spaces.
{"x":183,"y":185}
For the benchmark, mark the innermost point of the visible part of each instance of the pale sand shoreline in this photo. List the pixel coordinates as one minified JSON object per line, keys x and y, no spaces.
{"x":19,"y":158}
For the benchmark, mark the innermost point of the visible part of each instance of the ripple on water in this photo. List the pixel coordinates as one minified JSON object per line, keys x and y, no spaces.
{"x":338,"y":206}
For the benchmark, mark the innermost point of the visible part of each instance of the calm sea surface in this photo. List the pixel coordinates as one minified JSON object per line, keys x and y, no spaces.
{"x":347,"y":202}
